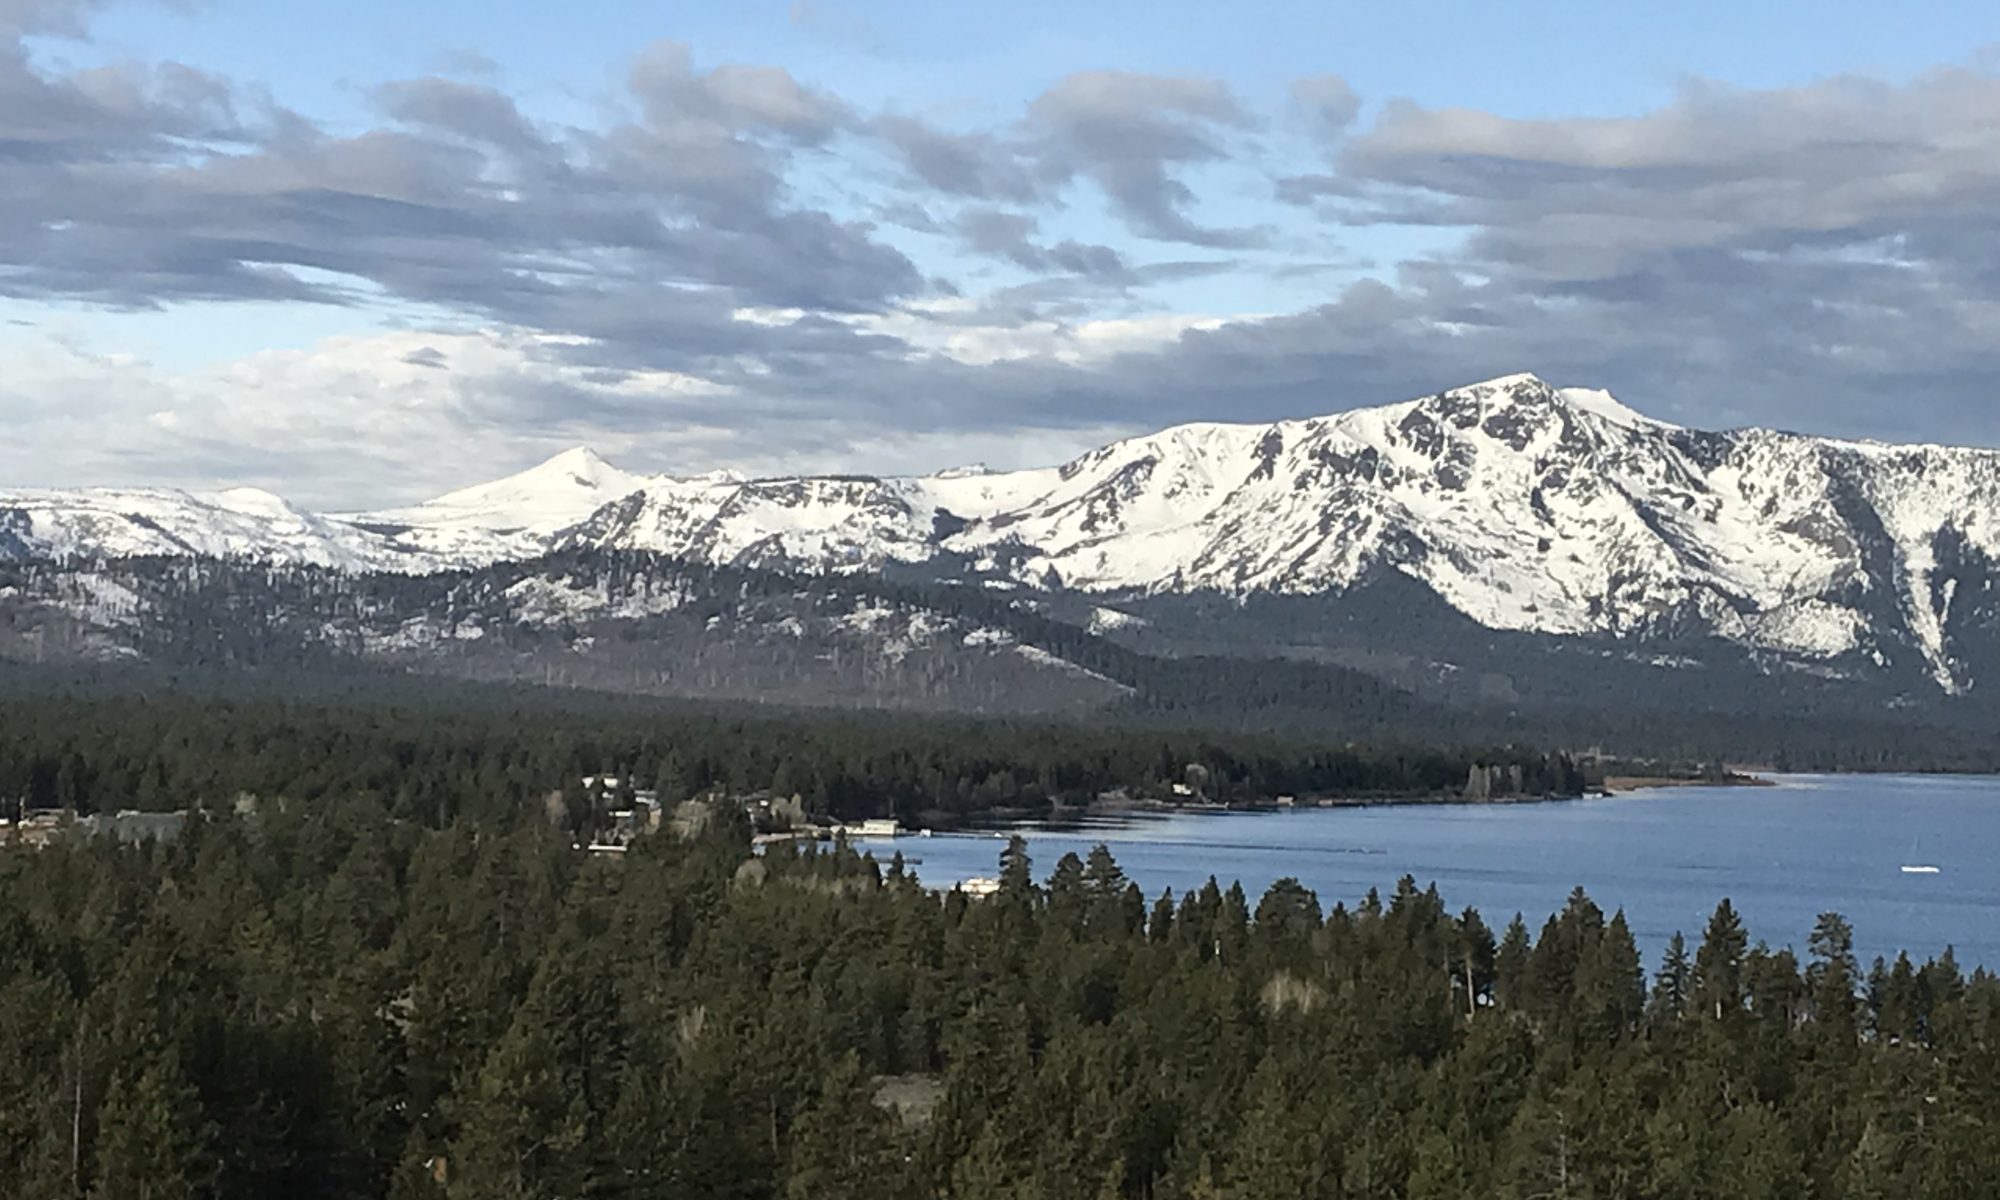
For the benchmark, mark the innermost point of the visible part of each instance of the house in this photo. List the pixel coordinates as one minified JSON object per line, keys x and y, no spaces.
{"x":876,"y":828}
{"x":36,"y":828}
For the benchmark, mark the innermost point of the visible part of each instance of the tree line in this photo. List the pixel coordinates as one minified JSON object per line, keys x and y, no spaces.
{"x":433,"y":763}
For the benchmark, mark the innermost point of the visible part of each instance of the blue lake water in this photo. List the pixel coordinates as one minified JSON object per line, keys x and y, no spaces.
{"x":1782,"y":855}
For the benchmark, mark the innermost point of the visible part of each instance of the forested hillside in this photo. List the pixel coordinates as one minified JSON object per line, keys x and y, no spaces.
{"x":646,"y":626}
{"x":325,"y":1000}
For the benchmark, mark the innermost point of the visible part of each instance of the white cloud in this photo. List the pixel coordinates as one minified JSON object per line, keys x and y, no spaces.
{"x":370,"y":420}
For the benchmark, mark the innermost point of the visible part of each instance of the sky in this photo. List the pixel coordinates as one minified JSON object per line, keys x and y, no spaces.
{"x":362,"y":253}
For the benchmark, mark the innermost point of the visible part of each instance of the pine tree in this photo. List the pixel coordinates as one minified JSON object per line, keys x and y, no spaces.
{"x":1510,"y":965}
{"x":1673,"y":985}
{"x":1718,"y":965}
{"x":153,"y":1142}
{"x":841,"y":1147}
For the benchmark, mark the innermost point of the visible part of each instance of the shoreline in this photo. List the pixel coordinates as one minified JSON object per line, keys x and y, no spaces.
{"x":1621,"y":784}
{"x":1112,"y":809}
{"x":1617,"y":785}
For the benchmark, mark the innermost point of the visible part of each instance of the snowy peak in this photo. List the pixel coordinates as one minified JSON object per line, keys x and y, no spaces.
{"x":1523,"y":393}
{"x":556,"y":488}
{"x":1603,"y":404}
{"x":1522,"y":505}
{"x":512,"y":517}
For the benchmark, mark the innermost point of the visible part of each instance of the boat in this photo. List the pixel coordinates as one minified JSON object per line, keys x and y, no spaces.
{"x":1916,"y":866}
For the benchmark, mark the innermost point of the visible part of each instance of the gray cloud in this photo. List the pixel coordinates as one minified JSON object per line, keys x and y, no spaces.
{"x":1328,"y":104}
{"x":137,"y":188}
{"x":59,"y":17}
{"x":1128,"y":133}
{"x":470,"y":111}
{"x":730,"y":99}
{"x":998,"y":233}
{"x":1793,"y":257}
{"x":1846,"y":161}
{"x":1823,"y":257}
{"x":980,"y":165}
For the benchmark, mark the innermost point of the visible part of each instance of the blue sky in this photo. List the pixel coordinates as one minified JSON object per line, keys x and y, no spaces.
{"x":1538,"y":59}
{"x":884,"y":236}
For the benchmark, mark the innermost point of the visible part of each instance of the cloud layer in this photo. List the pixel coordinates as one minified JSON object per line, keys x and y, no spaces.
{"x":737,"y":266}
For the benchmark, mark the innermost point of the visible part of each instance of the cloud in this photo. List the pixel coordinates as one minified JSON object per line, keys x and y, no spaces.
{"x":1819,"y":257}
{"x":1129,"y":133}
{"x":145,"y":187}
{"x":473,"y":112}
{"x":734,"y":265}
{"x":1328,"y":105}
{"x":371,"y":421}
{"x":731,"y":99}
{"x":55,"y":17}
{"x":1847,"y":161}
{"x":998,"y":233}
{"x":980,"y":165}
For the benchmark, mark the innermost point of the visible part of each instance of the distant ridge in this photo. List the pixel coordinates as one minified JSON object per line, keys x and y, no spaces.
{"x":1523,"y":506}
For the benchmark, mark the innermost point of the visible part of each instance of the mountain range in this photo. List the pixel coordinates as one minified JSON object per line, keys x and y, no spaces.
{"x":1500,"y":511}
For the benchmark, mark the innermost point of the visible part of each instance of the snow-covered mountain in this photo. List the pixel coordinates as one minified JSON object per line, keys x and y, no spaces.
{"x":509,"y":518}
{"x":130,"y":522}
{"x":1523,"y":506}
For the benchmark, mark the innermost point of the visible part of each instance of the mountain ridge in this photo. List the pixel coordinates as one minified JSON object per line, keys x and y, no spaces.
{"x":1524,"y":506}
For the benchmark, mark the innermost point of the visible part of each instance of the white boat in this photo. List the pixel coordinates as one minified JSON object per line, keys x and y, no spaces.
{"x":1917,"y":866}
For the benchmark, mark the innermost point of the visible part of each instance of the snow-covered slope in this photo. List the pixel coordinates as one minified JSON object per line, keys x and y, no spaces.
{"x":127,"y":522}
{"x":508,"y":518}
{"x":656,"y":627}
{"x":1524,"y":506}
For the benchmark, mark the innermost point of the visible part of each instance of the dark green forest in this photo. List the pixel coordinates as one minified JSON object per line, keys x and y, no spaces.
{"x":324,"y":1000}
{"x":492,"y":754}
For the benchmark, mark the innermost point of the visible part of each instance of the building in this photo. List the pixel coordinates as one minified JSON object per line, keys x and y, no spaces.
{"x":134,"y":827}
{"x":44,"y":827}
{"x":36,"y":829}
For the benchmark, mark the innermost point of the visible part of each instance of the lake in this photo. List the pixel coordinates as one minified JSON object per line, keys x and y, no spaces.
{"x":1781,"y":854}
